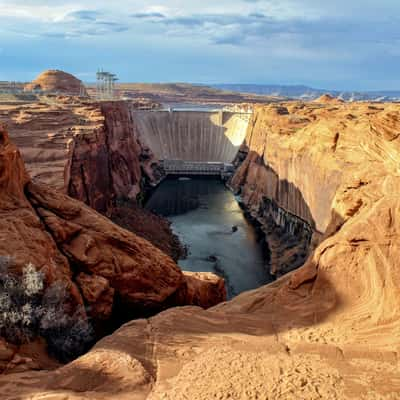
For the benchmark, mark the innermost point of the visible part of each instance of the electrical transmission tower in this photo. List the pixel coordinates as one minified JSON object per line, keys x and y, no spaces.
{"x":105,"y":87}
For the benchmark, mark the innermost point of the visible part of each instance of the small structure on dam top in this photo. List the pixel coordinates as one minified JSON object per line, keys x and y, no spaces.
{"x":105,"y":87}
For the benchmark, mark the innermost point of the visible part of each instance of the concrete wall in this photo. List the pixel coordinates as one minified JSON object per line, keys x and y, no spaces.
{"x":192,"y":135}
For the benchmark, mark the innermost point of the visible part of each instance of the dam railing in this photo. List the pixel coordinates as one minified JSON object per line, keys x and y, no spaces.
{"x":180,"y":167}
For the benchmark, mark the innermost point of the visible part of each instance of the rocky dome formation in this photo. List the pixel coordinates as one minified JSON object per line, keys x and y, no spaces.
{"x":60,"y":82}
{"x":100,"y":265}
{"x":328,"y":98}
{"x":329,"y":330}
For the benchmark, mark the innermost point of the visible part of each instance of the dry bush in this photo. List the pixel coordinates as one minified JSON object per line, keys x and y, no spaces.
{"x":28,"y":309}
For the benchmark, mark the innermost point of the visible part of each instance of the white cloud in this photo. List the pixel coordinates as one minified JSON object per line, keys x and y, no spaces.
{"x":279,"y":33}
{"x":39,"y":12}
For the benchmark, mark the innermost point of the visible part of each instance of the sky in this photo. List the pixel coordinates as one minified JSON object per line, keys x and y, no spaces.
{"x":336,"y":44}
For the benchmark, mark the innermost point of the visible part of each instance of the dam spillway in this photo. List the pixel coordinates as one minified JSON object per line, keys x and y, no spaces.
{"x":192,"y":141}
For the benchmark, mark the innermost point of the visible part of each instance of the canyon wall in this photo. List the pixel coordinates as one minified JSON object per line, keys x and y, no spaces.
{"x":283,"y":166}
{"x":111,"y":162}
{"x":44,"y":132}
{"x":101,"y":270}
{"x":192,"y":135}
{"x":281,"y":180}
{"x":90,"y":151}
{"x":329,"y":330}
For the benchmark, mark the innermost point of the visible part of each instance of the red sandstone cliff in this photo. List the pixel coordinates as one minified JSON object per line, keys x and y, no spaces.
{"x":326,"y":331}
{"x":104,"y":267}
{"x":110,"y":163}
{"x":90,"y":151}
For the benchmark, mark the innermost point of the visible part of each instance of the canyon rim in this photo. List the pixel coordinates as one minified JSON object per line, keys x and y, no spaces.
{"x":197,"y":241}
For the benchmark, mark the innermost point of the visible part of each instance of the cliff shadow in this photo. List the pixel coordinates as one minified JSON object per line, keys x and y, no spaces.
{"x":251,"y":323}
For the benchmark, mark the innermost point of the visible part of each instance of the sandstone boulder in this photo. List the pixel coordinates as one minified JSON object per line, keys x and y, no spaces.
{"x":141,"y":275}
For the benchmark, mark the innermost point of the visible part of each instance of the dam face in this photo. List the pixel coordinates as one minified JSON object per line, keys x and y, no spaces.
{"x":193,"y":139}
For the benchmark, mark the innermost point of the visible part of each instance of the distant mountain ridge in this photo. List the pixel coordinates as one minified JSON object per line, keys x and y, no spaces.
{"x":309,"y":93}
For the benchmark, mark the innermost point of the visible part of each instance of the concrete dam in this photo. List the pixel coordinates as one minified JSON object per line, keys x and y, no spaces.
{"x":193,"y":142}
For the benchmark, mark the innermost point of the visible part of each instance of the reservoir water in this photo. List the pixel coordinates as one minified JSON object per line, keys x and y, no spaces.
{"x":208,"y":220}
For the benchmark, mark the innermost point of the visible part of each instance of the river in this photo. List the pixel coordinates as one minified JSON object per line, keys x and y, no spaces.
{"x":208,"y":220}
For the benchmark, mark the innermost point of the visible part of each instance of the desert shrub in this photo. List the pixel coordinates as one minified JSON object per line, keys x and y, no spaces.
{"x":29,"y":309}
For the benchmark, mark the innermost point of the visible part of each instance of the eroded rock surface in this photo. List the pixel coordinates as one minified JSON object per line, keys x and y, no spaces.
{"x":141,"y":275}
{"x":89,"y":150}
{"x":329,"y":330}
{"x":55,"y":81}
{"x":22,"y":234}
{"x":110,"y":163}
{"x":102,"y":266}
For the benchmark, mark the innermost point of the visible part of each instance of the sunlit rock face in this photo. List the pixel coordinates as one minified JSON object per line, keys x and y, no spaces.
{"x":327,"y":330}
{"x":57,"y":82}
{"x":192,"y":135}
{"x":283,"y":167}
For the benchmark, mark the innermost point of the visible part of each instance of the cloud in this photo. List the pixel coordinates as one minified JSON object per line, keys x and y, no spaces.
{"x":341,"y":38}
{"x":86,"y":15}
{"x":148,"y":15}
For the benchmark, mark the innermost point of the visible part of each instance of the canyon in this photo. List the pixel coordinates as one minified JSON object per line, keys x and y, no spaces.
{"x":321,"y":178}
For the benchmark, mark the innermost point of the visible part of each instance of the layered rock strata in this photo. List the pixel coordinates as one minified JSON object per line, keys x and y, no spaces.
{"x":328,"y":330}
{"x":91,"y":151}
{"x":110,"y":163}
{"x":102,"y":266}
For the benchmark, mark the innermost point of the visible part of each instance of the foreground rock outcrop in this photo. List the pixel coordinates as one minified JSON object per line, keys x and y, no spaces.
{"x":326,"y":331}
{"x":102,"y":266}
{"x":60,"y":82}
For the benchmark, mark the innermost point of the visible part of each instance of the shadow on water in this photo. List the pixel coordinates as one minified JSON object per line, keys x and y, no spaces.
{"x":209,"y":221}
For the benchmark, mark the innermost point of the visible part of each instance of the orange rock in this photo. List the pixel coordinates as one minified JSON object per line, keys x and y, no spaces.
{"x":55,"y":81}
{"x":58,"y":235}
{"x":97,"y":293}
{"x":328,"y":99}
{"x":23,"y":237}
{"x":326,"y":331}
{"x":201,"y":289}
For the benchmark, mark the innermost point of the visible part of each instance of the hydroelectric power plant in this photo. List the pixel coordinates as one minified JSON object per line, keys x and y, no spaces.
{"x":202,"y":142}
{"x":203,"y":213}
